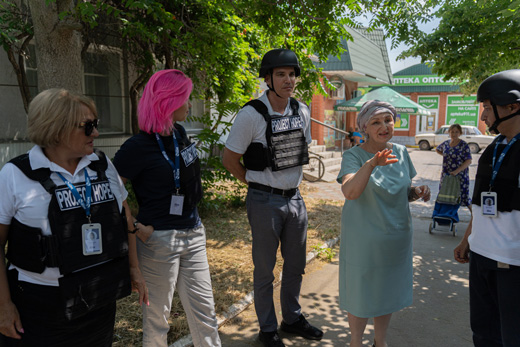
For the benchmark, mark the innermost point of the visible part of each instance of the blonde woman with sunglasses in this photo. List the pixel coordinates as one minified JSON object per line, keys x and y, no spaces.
{"x":61,"y":211}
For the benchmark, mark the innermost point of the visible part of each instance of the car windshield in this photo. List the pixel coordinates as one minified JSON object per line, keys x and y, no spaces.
{"x":445,"y":131}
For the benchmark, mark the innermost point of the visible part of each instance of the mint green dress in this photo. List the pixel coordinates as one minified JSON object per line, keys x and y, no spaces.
{"x":376,"y":269}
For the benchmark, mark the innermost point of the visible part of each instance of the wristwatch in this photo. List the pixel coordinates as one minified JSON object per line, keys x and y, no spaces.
{"x":135,"y":228}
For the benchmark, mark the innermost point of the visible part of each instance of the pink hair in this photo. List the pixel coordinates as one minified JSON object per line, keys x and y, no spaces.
{"x":165,"y":92}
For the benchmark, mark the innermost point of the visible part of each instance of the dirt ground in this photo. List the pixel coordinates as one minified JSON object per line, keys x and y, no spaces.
{"x":229,"y":256}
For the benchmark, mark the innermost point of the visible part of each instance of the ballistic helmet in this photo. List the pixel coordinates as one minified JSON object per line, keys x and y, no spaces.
{"x":502,"y":88}
{"x":279,"y":58}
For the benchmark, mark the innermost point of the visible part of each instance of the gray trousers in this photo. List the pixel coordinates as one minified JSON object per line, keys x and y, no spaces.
{"x":276,"y":220}
{"x":177,"y":258}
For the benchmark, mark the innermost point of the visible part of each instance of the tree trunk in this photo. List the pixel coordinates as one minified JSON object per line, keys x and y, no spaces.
{"x":19,"y":69}
{"x":135,"y":89}
{"x":58,"y":46}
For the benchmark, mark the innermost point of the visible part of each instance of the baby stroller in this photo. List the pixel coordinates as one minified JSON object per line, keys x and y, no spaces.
{"x":447,"y":204}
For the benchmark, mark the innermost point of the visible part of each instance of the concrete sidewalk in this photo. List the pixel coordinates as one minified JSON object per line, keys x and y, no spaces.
{"x":439,"y":315}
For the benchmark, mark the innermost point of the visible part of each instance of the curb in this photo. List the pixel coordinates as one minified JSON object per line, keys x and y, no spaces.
{"x":235,"y":309}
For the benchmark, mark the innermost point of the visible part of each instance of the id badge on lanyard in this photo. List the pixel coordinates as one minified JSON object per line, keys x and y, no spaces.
{"x":488,"y":204}
{"x":177,"y":200}
{"x":91,"y":234}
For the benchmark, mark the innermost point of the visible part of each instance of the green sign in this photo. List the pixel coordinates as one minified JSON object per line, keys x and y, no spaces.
{"x":364,"y":90}
{"x":423,"y":80}
{"x":462,"y":110}
{"x":402,"y":122}
{"x":429,"y":102}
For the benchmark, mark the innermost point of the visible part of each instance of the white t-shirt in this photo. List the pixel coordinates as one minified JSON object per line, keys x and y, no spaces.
{"x":250,"y":126}
{"x":496,"y":238}
{"x":28,"y":202}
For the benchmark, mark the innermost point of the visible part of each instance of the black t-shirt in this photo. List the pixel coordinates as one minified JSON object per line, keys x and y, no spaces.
{"x":141,"y":161}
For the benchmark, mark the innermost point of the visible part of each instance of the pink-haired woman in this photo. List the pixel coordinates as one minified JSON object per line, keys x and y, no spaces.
{"x":164,"y":169}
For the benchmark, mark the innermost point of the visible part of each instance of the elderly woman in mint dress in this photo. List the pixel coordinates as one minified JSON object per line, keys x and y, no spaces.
{"x":376,"y":273}
{"x":456,"y":158}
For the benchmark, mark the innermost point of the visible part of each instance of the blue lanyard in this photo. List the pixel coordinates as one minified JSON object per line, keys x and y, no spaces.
{"x":85,"y":203}
{"x":177,"y":166}
{"x":496,"y":166}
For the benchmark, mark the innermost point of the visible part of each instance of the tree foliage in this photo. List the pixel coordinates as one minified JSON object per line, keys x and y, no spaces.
{"x":218,"y":43}
{"x":16,"y":32}
{"x":399,"y":18}
{"x":475,"y":39}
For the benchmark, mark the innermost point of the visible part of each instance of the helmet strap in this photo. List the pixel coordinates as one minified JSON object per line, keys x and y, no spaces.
{"x":494,"y":127}
{"x":272,"y":82}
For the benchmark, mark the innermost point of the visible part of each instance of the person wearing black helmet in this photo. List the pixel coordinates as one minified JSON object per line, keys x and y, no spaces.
{"x":491,"y":243}
{"x":271,"y":134}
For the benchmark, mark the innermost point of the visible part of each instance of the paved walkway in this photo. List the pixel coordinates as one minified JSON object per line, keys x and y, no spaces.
{"x":439,"y":316}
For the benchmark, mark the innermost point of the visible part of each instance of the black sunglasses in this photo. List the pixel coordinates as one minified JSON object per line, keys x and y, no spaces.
{"x":89,"y":126}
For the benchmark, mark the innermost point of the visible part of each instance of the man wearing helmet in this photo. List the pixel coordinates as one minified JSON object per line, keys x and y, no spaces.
{"x":271,"y":134}
{"x":492,"y":241}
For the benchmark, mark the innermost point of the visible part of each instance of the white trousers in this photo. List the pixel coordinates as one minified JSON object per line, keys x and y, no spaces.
{"x":177,"y":259}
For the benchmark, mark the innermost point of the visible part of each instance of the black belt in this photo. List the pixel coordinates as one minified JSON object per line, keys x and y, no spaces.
{"x":283,"y":192}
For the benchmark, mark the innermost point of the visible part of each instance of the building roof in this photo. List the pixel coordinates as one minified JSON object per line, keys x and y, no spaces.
{"x":417,"y":69}
{"x":365,"y":59}
{"x":378,"y":36}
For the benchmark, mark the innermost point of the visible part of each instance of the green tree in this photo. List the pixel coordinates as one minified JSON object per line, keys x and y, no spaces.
{"x":399,"y":18}
{"x":218,"y":43}
{"x":16,"y":32}
{"x":473,"y":40}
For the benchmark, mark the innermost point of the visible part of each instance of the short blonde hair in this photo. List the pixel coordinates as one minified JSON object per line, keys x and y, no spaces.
{"x":54,"y":113}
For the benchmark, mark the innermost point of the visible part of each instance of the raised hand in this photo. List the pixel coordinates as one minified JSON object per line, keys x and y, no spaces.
{"x":383,"y":158}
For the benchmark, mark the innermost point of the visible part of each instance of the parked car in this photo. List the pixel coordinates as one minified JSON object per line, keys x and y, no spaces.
{"x":470,"y":134}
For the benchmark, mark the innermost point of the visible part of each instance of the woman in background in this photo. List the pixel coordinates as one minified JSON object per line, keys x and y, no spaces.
{"x":456,"y":159}
{"x":356,"y":136}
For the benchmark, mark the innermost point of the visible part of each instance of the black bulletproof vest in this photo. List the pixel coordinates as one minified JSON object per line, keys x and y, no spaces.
{"x":286,"y":143}
{"x":32,"y":251}
{"x":88,"y":282}
{"x":191,"y":183}
{"x":506,"y":182}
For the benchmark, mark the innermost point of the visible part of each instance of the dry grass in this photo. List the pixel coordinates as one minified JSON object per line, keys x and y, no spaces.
{"x":229,"y":256}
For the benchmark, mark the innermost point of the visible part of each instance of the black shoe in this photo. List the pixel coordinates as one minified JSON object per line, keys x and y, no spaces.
{"x":303,"y":328}
{"x":270,"y":339}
